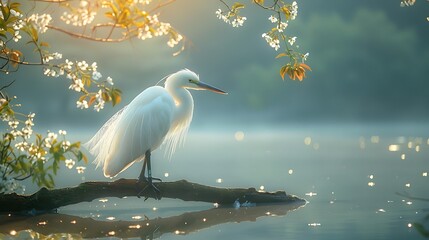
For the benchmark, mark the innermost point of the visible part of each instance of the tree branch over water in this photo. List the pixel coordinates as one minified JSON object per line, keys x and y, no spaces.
{"x":46,"y":200}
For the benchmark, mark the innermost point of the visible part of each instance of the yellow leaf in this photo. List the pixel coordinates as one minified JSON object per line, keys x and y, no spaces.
{"x":286,"y":12}
{"x":109,"y":15}
{"x":281,"y":55}
{"x":260,"y":2}
{"x":237,"y":5}
{"x":91,"y":100}
{"x":106,"y":96}
{"x":116,"y":99}
{"x":85,"y":158}
{"x":305,"y":66}
{"x":283,"y":71}
{"x":82,"y":97}
{"x":123,"y":16}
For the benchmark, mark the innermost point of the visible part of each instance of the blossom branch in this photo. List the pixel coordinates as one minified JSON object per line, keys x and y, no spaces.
{"x":73,"y":34}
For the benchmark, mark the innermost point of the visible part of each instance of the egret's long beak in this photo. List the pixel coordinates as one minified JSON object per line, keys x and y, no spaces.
{"x":205,"y":86}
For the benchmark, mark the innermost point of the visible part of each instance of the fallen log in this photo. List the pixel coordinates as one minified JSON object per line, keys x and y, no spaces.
{"x":48,"y":200}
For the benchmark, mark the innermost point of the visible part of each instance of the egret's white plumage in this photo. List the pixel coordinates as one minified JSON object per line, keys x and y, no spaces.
{"x":157,"y":115}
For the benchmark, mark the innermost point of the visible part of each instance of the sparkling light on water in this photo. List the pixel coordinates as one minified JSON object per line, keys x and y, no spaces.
{"x":239,"y":136}
{"x":375,"y":139}
{"x":307,"y":141}
{"x":135,"y":226}
{"x":394,"y":148}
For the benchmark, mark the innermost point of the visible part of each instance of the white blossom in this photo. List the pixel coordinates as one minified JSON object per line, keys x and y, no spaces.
{"x":40,"y":21}
{"x":69,"y":64}
{"x":80,"y":169}
{"x":282,"y":26}
{"x":82,"y":104}
{"x":16,"y":36}
{"x":65,"y":145}
{"x":219,"y":13}
{"x":21,"y":146}
{"x":83,"y":16}
{"x":27,"y":132}
{"x":305,"y":56}
{"x":238,"y":21}
{"x":50,"y":139}
{"x":99,"y":106}
{"x":174,"y":41}
{"x":94,"y":66}
{"x":96,"y":75}
{"x":62,"y":132}
{"x":273,"y":19}
{"x":109,"y":80}
{"x":273,"y":42}
{"x":407,"y":3}
{"x":292,"y":40}
{"x":82,"y":65}
{"x":70,"y":163}
{"x":77,"y":85}
{"x":13,"y":124}
{"x":294,"y":10}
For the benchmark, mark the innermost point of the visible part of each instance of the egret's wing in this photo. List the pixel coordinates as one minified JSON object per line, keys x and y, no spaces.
{"x":101,"y":138}
{"x":141,"y":127}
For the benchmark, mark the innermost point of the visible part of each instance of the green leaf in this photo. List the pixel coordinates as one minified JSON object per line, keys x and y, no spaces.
{"x":6,"y":12}
{"x":55,"y":167}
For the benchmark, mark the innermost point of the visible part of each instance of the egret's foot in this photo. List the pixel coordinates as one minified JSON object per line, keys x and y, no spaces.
{"x":149,"y":187}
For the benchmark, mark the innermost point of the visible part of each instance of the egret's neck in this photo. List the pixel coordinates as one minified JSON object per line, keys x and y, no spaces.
{"x":184,"y":104}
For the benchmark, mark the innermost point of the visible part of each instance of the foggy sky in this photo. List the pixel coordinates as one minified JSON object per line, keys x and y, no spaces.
{"x":369,"y":60}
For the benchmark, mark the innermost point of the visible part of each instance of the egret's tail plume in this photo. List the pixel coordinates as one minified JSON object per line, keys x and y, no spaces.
{"x":100,"y":145}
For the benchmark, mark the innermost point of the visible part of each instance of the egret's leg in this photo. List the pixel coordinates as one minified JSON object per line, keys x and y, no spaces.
{"x":149,"y":168}
{"x":148,"y":180}
{"x":142,"y":177}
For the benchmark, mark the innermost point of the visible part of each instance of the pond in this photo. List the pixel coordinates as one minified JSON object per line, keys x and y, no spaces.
{"x":355,"y":180}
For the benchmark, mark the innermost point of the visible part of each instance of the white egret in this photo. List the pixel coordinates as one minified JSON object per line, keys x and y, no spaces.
{"x":157,"y":115}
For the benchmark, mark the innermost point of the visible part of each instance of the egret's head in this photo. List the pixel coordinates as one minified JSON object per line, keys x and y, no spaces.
{"x":187,"y":79}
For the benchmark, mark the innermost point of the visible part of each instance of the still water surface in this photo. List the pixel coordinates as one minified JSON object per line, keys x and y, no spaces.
{"x":350,"y":177}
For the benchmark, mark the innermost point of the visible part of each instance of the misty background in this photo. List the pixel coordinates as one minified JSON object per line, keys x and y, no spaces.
{"x":369,"y":60}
